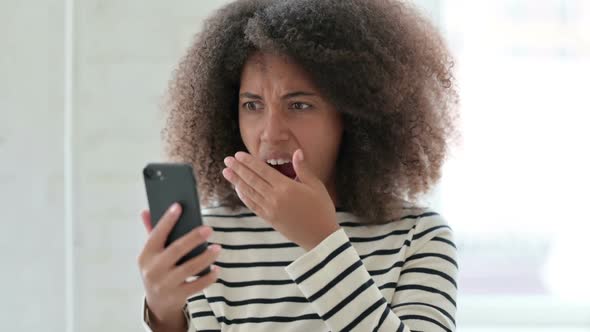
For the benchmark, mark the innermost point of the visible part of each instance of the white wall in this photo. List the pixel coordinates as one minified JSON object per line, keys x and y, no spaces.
{"x":123,"y":53}
{"x":31,"y":165}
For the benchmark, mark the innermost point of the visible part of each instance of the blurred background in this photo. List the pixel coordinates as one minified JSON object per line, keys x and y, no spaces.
{"x":81,"y":83}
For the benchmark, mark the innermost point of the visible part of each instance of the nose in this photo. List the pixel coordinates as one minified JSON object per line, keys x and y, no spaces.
{"x":275,"y":127}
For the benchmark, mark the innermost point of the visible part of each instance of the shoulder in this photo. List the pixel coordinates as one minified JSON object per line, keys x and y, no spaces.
{"x":431,"y":230}
{"x":416,"y":225}
{"x":418,"y":219}
{"x":427,"y":223}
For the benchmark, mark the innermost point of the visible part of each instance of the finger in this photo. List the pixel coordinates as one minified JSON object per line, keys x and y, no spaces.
{"x":190,"y":288}
{"x":244,"y":187}
{"x":260,"y":167}
{"x":158,"y":236}
{"x":182,"y":246}
{"x":146,"y":218}
{"x":252,"y":205}
{"x":250,"y":177}
{"x":304,"y":173}
{"x":195,"y":264}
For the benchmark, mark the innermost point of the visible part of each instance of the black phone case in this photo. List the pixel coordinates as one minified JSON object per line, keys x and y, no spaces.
{"x":166,"y":183}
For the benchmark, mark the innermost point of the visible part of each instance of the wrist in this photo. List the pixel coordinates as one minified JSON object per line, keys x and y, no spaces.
{"x":176,"y":322}
{"x":321,"y":236}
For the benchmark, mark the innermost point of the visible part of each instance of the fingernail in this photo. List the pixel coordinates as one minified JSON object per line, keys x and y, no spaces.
{"x":174,"y":208}
{"x":301,"y":156}
{"x":215,"y":248}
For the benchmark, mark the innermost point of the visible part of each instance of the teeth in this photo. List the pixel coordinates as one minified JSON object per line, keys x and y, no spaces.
{"x":278,"y":161}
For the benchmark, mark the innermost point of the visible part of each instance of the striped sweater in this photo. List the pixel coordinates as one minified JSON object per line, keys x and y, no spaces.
{"x":399,"y":276}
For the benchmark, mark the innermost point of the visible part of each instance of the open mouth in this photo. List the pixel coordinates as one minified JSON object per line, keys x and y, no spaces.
{"x":286,"y":169}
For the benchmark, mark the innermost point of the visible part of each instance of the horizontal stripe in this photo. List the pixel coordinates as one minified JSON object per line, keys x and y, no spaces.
{"x":427,"y":289}
{"x":230,"y":216}
{"x":432,"y":254}
{"x":423,"y":215}
{"x":388,"y":285}
{"x":431,"y":272}
{"x":243,"y":229}
{"x":352,"y":224}
{"x":202,"y":314}
{"x":196,"y":298}
{"x":258,"y":246}
{"x":430,"y":230}
{"x":233,"y":265}
{"x":426,"y":319}
{"x":275,"y":319}
{"x":293,"y":245}
{"x":441,"y":310}
{"x":386,"y":270}
{"x":411,"y":216}
{"x":381,"y":252}
{"x":236,"y":284}
{"x":437,"y":238}
{"x":291,"y":299}
{"x":285,"y":263}
{"x":380,"y":237}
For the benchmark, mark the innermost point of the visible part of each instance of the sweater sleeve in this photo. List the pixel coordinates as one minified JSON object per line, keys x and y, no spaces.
{"x":144,"y":315}
{"x":146,"y":322}
{"x":426,"y":293}
{"x":341,"y":290}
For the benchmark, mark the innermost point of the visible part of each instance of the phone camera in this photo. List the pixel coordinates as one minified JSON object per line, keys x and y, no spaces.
{"x":148,"y":173}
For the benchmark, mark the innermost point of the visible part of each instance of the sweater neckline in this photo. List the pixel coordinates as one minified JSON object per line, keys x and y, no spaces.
{"x":341,"y":213}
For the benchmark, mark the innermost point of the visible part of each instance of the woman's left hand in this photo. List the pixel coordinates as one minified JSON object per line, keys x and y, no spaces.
{"x":302,"y":211}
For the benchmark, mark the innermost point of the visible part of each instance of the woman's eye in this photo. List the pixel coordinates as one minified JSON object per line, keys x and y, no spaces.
{"x":250,"y":106}
{"x":300,"y":106}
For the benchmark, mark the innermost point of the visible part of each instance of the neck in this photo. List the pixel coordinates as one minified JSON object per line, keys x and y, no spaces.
{"x":331,"y":187}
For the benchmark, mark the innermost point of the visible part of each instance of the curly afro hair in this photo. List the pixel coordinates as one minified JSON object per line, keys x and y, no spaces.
{"x":383,"y":65}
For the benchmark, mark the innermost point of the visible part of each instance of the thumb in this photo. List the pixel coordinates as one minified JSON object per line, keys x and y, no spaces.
{"x":304,"y":174}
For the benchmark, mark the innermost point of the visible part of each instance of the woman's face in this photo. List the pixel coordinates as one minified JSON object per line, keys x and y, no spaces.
{"x":281,"y":110}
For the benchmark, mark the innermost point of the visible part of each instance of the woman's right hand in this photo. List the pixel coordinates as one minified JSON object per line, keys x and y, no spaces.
{"x":164,"y":282}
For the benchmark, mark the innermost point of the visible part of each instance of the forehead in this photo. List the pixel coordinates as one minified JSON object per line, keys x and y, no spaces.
{"x":274,"y":67}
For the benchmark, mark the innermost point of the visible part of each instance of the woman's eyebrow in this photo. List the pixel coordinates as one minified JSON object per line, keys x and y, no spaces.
{"x":297,"y":94}
{"x":249,"y":95}
{"x":286,"y":96}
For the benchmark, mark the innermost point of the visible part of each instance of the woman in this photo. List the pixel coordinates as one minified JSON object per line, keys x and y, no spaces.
{"x":314,"y":126}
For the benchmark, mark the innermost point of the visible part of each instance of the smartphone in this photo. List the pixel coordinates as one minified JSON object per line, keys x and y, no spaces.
{"x":166,"y":183}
